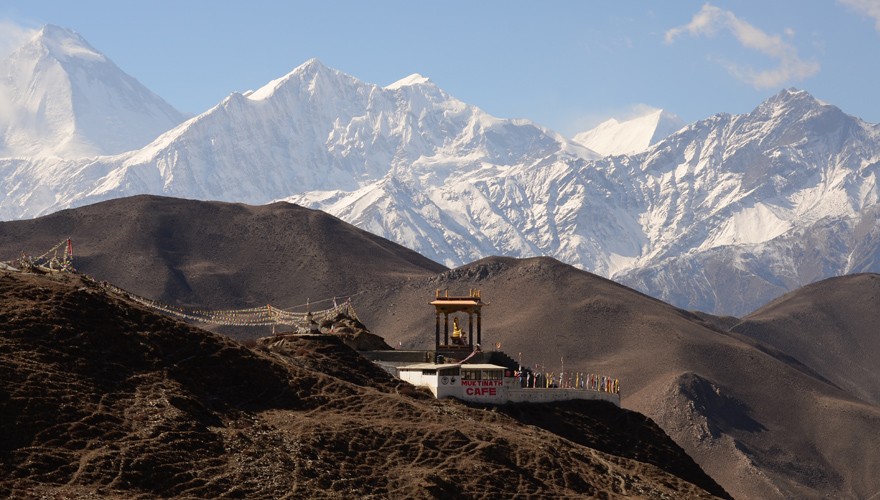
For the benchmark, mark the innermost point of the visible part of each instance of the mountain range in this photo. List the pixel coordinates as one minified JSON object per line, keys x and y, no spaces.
{"x":782,"y":403}
{"x":721,"y":216}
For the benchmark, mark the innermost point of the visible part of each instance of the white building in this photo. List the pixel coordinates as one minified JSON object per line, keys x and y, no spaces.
{"x":451,"y":375}
{"x":493,"y":384}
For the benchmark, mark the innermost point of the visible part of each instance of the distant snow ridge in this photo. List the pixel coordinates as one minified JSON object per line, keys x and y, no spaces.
{"x":743,"y":208}
{"x":721,"y":215}
{"x":61,"y":97}
{"x":613,"y":137}
{"x":314,"y":128}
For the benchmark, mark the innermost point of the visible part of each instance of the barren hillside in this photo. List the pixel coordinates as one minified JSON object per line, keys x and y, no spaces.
{"x":101,"y":398}
{"x":832,"y":327}
{"x":221,"y":255}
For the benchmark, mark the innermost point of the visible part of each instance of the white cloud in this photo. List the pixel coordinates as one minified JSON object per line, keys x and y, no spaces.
{"x":13,"y":36}
{"x":594,"y":118}
{"x":710,"y":20}
{"x":870,"y":8}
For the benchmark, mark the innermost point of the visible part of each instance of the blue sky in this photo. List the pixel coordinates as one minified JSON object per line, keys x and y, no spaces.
{"x":563,"y":64}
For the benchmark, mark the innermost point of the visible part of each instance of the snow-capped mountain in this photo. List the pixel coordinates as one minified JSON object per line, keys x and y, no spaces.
{"x":613,"y":137}
{"x":743,"y":208}
{"x":721,"y":215}
{"x":61,"y":97}
{"x":314,"y":128}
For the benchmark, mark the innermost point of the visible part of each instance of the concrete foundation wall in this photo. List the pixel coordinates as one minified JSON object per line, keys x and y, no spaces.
{"x":519,"y":395}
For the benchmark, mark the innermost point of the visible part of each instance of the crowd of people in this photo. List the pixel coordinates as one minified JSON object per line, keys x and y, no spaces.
{"x":567,"y":380}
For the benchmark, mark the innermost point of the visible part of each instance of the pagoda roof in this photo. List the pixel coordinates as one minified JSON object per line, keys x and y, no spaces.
{"x":471,"y":300}
{"x":457,"y":301}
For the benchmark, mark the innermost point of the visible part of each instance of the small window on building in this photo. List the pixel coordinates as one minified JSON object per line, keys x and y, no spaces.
{"x":429,"y":372}
{"x":470,"y":375}
{"x":491,"y":375}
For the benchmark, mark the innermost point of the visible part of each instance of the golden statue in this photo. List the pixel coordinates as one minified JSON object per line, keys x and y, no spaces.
{"x":456,"y":332}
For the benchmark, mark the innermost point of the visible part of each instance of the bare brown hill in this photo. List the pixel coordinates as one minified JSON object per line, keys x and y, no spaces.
{"x":760,"y":424}
{"x":832,"y":327}
{"x":100,"y":398}
{"x":219,"y":255}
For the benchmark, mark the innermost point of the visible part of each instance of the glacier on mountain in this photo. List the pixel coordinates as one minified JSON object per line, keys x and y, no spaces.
{"x":721,"y":215}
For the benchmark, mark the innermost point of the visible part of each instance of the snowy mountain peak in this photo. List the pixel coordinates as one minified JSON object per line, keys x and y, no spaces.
{"x":792,"y":94}
{"x":793,"y":116}
{"x":61,"y":97}
{"x":306,"y":74}
{"x":312,"y":67}
{"x":413,"y":79}
{"x":613,"y":137}
{"x":64,"y":44}
{"x":789,"y":102}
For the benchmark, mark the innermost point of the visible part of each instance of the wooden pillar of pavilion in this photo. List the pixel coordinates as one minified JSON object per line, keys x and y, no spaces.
{"x":437,"y":334}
